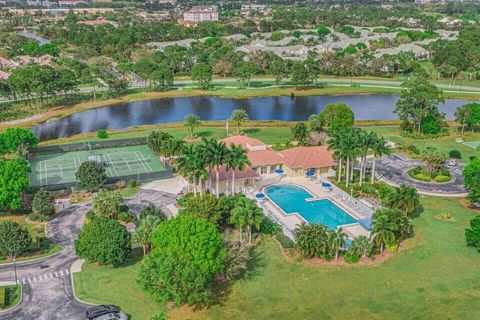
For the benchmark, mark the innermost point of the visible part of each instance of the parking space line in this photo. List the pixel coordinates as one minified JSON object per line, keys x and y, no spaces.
{"x":66,"y":271}
{"x":61,"y":273}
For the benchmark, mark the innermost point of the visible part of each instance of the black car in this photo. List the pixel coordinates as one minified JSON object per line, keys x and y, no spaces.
{"x":98,"y":311}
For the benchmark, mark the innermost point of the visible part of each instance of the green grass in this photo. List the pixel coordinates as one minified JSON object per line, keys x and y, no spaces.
{"x":14,"y":296}
{"x":268,"y":132}
{"x":128,"y":192}
{"x":108,"y":285}
{"x":443,"y":144}
{"x":35,"y":230}
{"x":434,"y":277}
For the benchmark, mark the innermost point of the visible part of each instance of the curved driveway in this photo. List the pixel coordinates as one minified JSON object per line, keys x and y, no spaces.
{"x":393,"y":170}
{"x":47,"y":288}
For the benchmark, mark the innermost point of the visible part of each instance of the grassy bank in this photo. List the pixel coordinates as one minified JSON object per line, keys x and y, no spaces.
{"x":30,"y":116}
{"x":434,"y":277}
{"x":271,"y":132}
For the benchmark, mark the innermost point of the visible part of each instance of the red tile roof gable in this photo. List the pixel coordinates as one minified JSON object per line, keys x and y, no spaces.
{"x":308,"y":157}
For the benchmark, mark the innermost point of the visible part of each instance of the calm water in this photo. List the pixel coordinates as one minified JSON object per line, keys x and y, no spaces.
{"x":34,"y":36}
{"x":292,"y":199}
{"x":155,"y":111}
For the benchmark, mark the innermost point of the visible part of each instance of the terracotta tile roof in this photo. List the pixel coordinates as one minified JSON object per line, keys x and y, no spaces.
{"x":308,"y":157}
{"x":243,"y":141}
{"x":4,"y":75}
{"x":264,"y":157}
{"x":248,"y":173}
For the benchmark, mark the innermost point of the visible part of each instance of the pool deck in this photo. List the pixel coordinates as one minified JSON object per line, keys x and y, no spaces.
{"x":312,"y":186}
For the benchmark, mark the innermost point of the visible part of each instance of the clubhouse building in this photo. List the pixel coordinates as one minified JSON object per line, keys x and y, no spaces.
{"x":296,"y":161}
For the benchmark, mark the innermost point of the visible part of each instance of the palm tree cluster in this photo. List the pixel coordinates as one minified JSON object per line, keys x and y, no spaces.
{"x":246,"y":215}
{"x":354,"y":144}
{"x":389,"y":227}
{"x":317,"y":241}
{"x":404,"y":198}
{"x":165,"y":145}
{"x":197,"y":161}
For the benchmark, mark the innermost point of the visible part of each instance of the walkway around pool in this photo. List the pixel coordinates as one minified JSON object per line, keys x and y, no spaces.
{"x":291,"y":221}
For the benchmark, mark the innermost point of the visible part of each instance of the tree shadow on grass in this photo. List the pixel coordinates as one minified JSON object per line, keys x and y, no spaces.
{"x":251,"y":130}
{"x":136,"y":255}
{"x":417,"y":212}
{"x":222,"y":290}
{"x":204,"y":134}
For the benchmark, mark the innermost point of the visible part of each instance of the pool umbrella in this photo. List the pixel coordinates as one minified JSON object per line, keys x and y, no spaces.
{"x":326,"y":184}
{"x":279,"y":171}
{"x":310,"y":174}
{"x":260,"y":196}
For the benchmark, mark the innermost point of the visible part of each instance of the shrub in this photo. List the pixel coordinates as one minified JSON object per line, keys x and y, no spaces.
{"x":444,"y":172}
{"x":277,"y":36}
{"x":269,"y":227}
{"x":90,"y":215}
{"x":132,"y":183}
{"x":120,"y":184}
{"x":151,"y":210}
{"x":441,"y":178}
{"x":103,"y":241}
{"x":455,"y":154}
{"x":107,"y":203}
{"x":422,"y":177}
{"x":285,"y":241}
{"x":43,"y":203}
{"x":102,"y":134}
{"x":123,"y":216}
{"x":471,"y":158}
{"x":351,"y":256}
{"x":38,"y":217}
{"x":472,"y":234}
{"x":413,"y":149}
{"x":91,"y":175}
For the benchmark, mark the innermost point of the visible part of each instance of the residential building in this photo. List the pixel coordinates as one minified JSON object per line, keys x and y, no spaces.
{"x":199,"y":14}
{"x":6,"y":63}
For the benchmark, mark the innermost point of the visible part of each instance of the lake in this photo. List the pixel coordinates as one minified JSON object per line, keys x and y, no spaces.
{"x":165,"y":110}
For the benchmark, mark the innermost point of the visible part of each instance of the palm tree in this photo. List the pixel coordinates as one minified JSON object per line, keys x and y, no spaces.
{"x":238,"y":217}
{"x":236,"y":160}
{"x":191,"y":122}
{"x":349,"y":149}
{"x":337,"y":240}
{"x":379,"y":149}
{"x":255,"y":217}
{"x":171,"y":148}
{"x":383,"y":231}
{"x":239,"y":116}
{"x":365,"y":143}
{"x":335,"y":144}
{"x":300,"y":133}
{"x":143,"y":233}
{"x":191,"y":165}
{"x":214,"y":154}
{"x":361,"y":245}
{"x":405,"y":198}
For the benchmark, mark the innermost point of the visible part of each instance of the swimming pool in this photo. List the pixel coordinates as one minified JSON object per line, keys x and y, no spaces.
{"x":292,"y":199}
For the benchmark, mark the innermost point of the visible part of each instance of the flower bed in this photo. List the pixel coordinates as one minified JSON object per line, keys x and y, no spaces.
{"x":419,"y":173}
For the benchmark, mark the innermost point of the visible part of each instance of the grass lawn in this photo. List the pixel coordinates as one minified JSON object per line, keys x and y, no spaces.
{"x":263,"y":131}
{"x":443,"y":144}
{"x":10,"y":295}
{"x":434,"y":277}
{"x":107,"y":285}
{"x":36,"y":231}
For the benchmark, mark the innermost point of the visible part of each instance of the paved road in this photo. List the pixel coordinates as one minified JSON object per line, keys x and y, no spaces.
{"x":47,"y":286}
{"x":393,"y":169}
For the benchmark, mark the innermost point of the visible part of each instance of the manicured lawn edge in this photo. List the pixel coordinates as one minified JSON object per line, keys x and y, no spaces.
{"x":18,"y":300}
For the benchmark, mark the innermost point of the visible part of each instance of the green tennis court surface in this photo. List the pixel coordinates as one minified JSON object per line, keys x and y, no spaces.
{"x":472,"y":144}
{"x":60,"y":168}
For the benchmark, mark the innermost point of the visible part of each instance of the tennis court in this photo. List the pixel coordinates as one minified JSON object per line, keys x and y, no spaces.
{"x":473,"y":144}
{"x":59,"y":168}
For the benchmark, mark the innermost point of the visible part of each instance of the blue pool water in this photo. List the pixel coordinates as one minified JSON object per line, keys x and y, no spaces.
{"x":291,"y":199}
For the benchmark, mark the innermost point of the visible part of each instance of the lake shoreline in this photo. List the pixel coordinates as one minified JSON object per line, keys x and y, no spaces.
{"x":59,"y":112}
